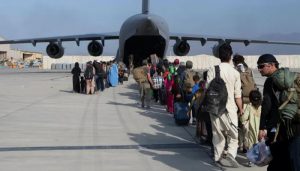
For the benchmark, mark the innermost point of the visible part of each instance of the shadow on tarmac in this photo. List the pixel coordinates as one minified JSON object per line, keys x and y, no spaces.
{"x":172,"y":155}
{"x":179,"y":148}
{"x":182,"y":152}
{"x":67,"y":91}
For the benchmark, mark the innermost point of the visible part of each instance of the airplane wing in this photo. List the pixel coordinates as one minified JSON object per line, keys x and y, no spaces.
{"x":246,"y":42}
{"x":59,"y":39}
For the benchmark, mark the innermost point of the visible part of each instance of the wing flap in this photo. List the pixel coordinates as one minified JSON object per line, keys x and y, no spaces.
{"x":246,"y":42}
{"x":77,"y":38}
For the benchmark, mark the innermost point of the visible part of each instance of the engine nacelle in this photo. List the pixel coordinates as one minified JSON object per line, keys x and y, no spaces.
{"x":181,"y":48}
{"x":55,"y":51}
{"x":95,"y":48}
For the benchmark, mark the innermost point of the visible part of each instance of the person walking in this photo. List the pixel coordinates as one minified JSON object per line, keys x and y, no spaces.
{"x":226,"y":123}
{"x":169,"y":84}
{"x":248,"y":84}
{"x":250,"y":120}
{"x":113,"y":74}
{"x":76,"y":71}
{"x":96,"y":65}
{"x":142,"y":77}
{"x":274,"y":127}
{"x":89,"y":74}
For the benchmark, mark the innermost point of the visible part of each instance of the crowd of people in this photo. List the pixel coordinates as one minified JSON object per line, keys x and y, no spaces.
{"x":97,"y":76}
{"x":229,"y":111}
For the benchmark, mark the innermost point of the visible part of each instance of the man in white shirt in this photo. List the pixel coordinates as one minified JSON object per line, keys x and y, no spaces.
{"x":225,"y":126}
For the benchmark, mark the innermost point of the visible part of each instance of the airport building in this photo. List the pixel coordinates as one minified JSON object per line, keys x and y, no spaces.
{"x":17,"y":58}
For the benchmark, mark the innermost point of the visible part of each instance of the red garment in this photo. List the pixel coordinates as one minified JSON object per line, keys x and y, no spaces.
{"x":165,"y":75}
{"x":170,"y":97}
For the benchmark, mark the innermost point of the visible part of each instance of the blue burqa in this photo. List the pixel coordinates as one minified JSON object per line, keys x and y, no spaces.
{"x":113,"y":75}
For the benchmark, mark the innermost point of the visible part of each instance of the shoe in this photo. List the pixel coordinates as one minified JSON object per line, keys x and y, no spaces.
{"x":224,"y":154}
{"x":249,"y":164}
{"x":240,"y":149}
{"x":194,"y":121}
{"x":218,"y":165}
{"x":143,"y":105}
{"x":232,"y":161}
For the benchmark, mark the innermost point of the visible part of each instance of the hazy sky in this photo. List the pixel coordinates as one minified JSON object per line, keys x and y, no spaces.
{"x":230,"y":18}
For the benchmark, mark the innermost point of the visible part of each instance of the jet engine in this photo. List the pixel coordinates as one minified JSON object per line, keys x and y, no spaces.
{"x":55,"y":50}
{"x":181,"y":48}
{"x":95,"y":48}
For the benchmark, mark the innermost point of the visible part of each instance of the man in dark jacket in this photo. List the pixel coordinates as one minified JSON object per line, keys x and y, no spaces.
{"x":267,"y":65}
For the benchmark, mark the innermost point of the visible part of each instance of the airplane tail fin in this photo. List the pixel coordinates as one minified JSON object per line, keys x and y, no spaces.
{"x":145,"y":8}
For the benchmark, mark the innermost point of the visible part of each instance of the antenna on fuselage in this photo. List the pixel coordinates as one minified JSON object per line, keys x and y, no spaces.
{"x":145,"y":8}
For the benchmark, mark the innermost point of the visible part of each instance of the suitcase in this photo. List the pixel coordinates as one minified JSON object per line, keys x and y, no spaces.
{"x":181,"y":115}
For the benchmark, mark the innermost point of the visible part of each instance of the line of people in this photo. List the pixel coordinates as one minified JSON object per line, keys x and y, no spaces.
{"x":178,"y":87}
{"x":248,"y":116}
{"x":97,"y":76}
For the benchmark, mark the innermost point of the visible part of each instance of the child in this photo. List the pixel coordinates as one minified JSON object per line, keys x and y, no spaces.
{"x":82,"y":84}
{"x":195,"y":104}
{"x":251,"y":119}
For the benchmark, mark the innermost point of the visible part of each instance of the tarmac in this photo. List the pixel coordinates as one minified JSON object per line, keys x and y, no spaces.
{"x":45,"y":126}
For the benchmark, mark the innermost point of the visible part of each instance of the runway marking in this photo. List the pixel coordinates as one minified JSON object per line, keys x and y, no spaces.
{"x":102,"y":147}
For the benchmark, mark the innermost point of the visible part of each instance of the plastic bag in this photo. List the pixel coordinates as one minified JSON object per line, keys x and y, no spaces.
{"x":259,"y":154}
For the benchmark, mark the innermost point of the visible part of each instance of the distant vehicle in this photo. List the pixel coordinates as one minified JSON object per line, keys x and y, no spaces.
{"x":140,"y":35}
{"x":36,"y":64}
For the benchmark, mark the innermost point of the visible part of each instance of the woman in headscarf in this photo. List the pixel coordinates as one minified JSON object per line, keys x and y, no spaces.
{"x":113,"y":74}
{"x":169,"y":82}
{"x":76,"y":71}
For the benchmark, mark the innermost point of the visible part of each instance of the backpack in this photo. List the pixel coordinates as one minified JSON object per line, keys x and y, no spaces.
{"x":101,"y":72}
{"x":188,"y":79}
{"x":289,"y":110}
{"x":157,"y":82}
{"x":248,"y":84}
{"x":88,"y":73}
{"x":140,"y":74}
{"x":216,"y":95}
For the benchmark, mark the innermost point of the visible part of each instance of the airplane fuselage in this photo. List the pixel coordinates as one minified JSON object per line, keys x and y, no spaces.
{"x":142,"y":35}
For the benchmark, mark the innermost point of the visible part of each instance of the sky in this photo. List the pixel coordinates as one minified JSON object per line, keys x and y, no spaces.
{"x":255,"y":19}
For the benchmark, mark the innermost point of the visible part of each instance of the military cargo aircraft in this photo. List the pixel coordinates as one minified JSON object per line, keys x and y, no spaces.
{"x":140,"y":35}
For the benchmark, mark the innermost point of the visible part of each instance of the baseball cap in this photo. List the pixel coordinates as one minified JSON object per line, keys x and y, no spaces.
{"x":267,"y":58}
